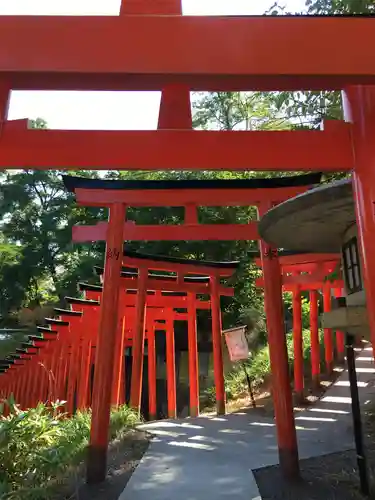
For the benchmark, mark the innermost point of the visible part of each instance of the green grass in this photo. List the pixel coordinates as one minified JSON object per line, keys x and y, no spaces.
{"x":39,"y":445}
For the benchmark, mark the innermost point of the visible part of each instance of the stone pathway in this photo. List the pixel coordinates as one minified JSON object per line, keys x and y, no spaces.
{"x":213,"y":458}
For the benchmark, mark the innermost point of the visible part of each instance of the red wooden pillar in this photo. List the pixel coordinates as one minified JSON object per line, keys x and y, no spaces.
{"x":83,"y":388}
{"x":32,"y":352}
{"x":193,"y":356}
{"x":139,"y":341}
{"x":63,"y":361}
{"x":40,"y":386}
{"x":92,"y":368}
{"x":359,"y":109}
{"x":217,"y":345}
{"x":19,"y":363}
{"x":20,"y":383}
{"x":281,"y":390}
{"x":74,"y":364}
{"x":328,"y":339}
{"x":151,"y":7}
{"x":51,"y":337}
{"x":122,"y":395}
{"x":298,"y":345}
{"x":315,"y":344}
{"x":171,"y":366}
{"x":152,"y":408}
{"x":101,"y":399}
{"x":39,"y":380}
{"x":119,"y":360}
{"x":29,"y":384}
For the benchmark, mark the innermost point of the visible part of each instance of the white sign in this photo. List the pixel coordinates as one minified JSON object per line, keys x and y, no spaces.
{"x":236,"y":342}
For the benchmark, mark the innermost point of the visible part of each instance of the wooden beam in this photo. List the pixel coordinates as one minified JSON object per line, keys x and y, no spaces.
{"x":184,"y":197}
{"x":328,"y":150}
{"x":194,"y":232}
{"x":153,"y":302}
{"x":298,"y":261}
{"x":81,"y":53}
{"x":289,"y":283}
{"x":326,"y":267}
{"x":183,"y":269}
{"x":174,"y":286}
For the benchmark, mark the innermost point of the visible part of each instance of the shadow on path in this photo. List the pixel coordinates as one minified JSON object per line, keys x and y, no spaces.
{"x":213,"y":457}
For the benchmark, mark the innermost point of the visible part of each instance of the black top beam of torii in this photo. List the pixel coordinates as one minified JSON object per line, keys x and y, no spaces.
{"x":74,"y":182}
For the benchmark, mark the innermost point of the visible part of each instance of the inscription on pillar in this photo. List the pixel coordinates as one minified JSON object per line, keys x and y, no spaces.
{"x":112,"y":254}
{"x":270,"y":253}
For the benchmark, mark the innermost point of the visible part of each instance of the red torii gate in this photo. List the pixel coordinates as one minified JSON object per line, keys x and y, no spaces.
{"x":155,"y":62}
{"x":156,"y":302}
{"x":117,"y":196}
{"x":62,"y":371}
{"x":76,"y":329}
{"x":309,"y":272}
{"x":191,"y":286}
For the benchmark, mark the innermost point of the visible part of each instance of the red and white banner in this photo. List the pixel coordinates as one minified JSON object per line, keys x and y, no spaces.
{"x":238,"y":347}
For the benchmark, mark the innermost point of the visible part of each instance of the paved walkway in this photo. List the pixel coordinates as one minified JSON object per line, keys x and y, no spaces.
{"x":212,"y":458}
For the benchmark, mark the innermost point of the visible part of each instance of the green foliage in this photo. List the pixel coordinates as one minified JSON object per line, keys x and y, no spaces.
{"x":259,"y":369}
{"x":12,"y":289}
{"x":37,"y":215}
{"x":237,"y":111}
{"x":39,"y":445}
{"x":327,"y":7}
{"x":305,"y":307}
{"x":256,"y":328}
{"x":335,"y":274}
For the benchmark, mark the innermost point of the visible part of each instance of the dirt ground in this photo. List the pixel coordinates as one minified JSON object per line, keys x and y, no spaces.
{"x":331,"y":477}
{"x":124,"y":456}
{"x":263,"y":397}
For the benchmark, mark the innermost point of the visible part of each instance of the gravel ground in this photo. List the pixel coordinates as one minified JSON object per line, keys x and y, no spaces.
{"x":330,"y":477}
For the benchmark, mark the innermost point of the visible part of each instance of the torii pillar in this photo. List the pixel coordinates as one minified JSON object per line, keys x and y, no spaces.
{"x":105,"y":348}
{"x":359,"y":110}
{"x":281,"y":390}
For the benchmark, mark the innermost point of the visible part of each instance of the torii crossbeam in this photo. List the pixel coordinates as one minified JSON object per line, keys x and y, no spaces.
{"x":113,"y":53}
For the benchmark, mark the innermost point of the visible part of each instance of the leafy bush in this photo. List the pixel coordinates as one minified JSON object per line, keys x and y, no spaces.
{"x":38,"y":445}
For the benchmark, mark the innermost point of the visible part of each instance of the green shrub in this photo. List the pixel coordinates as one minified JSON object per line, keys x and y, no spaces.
{"x":38,"y":445}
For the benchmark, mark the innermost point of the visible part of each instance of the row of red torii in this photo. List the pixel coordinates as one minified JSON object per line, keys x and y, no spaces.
{"x":57,"y":364}
{"x":150,"y":301}
{"x":117,"y":196}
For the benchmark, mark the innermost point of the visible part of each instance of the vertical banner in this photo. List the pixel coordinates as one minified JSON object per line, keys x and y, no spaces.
{"x":237,"y":345}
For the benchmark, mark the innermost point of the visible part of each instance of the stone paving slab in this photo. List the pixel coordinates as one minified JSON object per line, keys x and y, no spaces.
{"x":213,"y":457}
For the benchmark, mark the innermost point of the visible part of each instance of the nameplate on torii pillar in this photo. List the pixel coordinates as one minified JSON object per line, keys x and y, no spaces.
{"x":271,"y":253}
